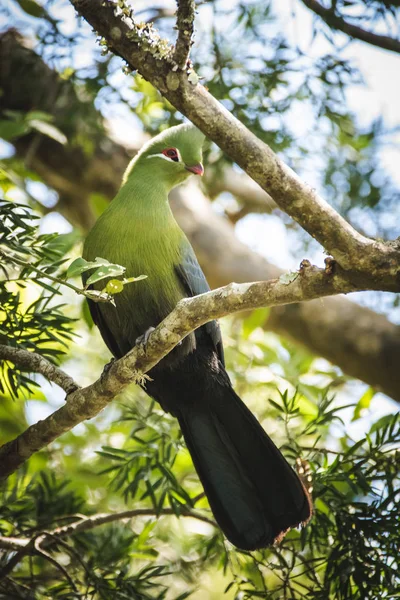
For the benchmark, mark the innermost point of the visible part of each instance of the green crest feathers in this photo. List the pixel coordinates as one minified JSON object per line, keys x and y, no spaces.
{"x":185,"y":137}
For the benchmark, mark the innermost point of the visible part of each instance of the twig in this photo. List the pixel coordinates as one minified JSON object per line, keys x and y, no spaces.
{"x":31,"y":361}
{"x":101,"y":519}
{"x":53,"y":561}
{"x":336,"y":22}
{"x":185,"y":25}
{"x":91,"y":294}
{"x":28,"y":546}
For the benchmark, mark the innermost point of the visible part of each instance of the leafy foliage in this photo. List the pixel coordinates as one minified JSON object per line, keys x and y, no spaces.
{"x":39,"y":325}
{"x":348,"y":551}
{"x":133,"y":457}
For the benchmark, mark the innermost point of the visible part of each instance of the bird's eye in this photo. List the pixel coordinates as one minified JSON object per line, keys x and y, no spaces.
{"x":171,"y":153}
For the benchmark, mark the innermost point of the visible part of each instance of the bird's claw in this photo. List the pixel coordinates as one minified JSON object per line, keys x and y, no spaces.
{"x":107,"y":367}
{"x":144,"y":338}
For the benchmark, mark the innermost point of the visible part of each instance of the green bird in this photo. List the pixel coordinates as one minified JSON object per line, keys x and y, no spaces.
{"x":253,"y":492}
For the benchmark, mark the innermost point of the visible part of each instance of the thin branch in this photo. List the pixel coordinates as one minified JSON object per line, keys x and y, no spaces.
{"x":25,"y":546}
{"x":334,"y":21}
{"x":40,"y":552}
{"x":101,"y":519}
{"x":185,"y":25}
{"x":35,"y":363}
{"x":190,"y":313}
{"x":12,"y":543}
{"x":91,"y":294}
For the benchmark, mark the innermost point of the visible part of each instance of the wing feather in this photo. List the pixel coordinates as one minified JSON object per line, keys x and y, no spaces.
{"x":194,"y":282}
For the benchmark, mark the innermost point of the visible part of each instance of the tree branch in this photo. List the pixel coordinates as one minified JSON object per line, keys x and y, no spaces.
{"x":35,"y":363}
{"x":24,"y":546}
{"x":334,"y":21}
{"x":190,"y":313}
{"x":352,"y":250}
{"x":185,"y":25}
{"x":361,"y":342}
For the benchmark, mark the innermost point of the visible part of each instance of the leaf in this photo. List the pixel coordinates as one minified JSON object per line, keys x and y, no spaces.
{"x":287,"y":278}
{"x":131,"y":279}
{"x":276,"y":405}
{"x":39,"y":115}
{"x":80,"y":265}
{"x":363,"y":403}
{"x":31,"y":8}
{"x":105,"y":271}
{"x":12,"y":129}
{"x":48,"y":129}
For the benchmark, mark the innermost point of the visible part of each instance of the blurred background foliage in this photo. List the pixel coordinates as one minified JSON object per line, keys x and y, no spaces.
{"x":132,"y":456}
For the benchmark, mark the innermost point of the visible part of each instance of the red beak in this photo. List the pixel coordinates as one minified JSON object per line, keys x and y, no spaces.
{"x":196,"y":169}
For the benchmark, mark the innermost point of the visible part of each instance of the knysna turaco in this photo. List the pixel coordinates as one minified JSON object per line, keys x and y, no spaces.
{"x":253,"y":492}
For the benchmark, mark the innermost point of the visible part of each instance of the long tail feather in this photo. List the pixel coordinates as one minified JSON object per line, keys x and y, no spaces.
{"x":253,"y":492}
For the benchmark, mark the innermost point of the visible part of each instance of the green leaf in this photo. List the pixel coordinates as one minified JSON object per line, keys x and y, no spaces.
{"x":31,"y":8}
{"x":363,"y":403}
{"x":80,"y":265}
{"x":48,"y":129}
{"x":105,"y":271}
{"x":276,"y":405}
{"x":77,"y":267}
{"x":131,"y":279}
{"x":12,"y":129}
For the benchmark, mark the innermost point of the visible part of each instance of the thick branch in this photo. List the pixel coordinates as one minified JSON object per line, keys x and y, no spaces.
{"x":352,"y":250}
{"x":334,"y":21}
{"x":190,"y":313}
{"x":35,"y":363}
{"x":361,"y":342}
{"x":185,"y":26}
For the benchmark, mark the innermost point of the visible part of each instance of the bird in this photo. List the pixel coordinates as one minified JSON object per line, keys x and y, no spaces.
{"x":253,"y":492}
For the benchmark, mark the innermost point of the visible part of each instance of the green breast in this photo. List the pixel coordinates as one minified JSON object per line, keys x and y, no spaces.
{"x":145,"y":246}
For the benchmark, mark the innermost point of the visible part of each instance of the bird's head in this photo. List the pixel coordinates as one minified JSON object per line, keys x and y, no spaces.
{"x":172,"y":155}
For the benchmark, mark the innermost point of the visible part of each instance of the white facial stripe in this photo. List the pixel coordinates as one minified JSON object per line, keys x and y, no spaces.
{"x":161,"y":155}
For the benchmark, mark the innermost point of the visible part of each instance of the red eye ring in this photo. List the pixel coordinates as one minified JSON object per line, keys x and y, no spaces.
{"x":171,"y":153}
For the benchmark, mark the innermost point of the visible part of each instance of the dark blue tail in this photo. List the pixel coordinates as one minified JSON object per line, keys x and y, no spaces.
{"x":253,"y":492}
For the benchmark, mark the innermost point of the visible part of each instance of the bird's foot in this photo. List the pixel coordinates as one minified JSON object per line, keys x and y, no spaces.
{"x":107,"y":367}
{"x":143,"y":339}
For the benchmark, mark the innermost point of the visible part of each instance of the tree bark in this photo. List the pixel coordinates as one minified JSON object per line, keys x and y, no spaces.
{"x":362,"y":343}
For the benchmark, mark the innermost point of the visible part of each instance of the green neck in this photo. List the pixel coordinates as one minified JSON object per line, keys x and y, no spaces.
{"x":144,"y":197}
